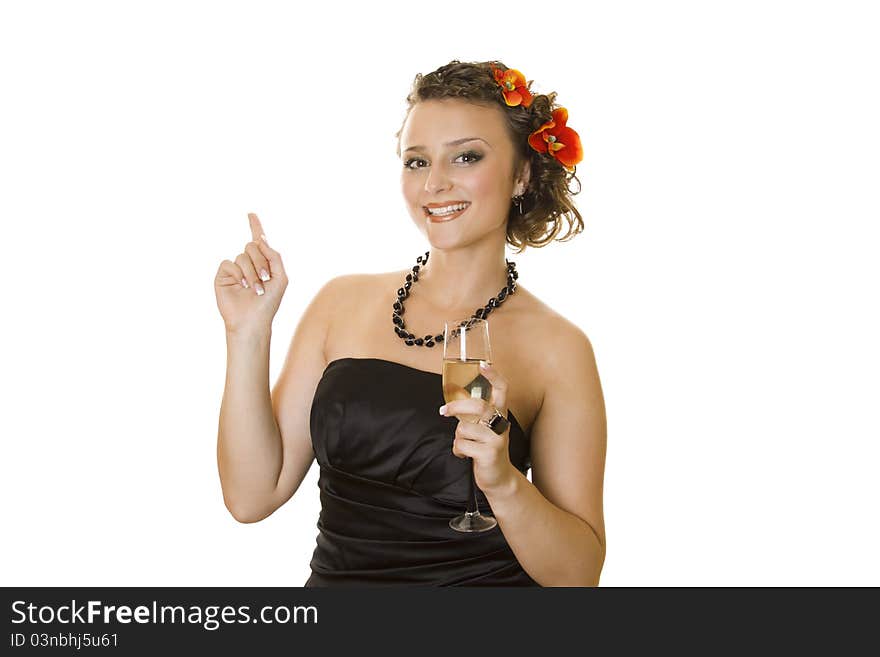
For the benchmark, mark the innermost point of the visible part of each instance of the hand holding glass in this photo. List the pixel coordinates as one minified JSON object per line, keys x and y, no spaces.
{"x":465,"y":346}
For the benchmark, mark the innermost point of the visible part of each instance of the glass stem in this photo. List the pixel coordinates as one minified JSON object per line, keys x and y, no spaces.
{"x":473,"y":488}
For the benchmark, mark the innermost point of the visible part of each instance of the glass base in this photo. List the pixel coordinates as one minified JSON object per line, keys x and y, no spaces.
{"x":472,"y":522}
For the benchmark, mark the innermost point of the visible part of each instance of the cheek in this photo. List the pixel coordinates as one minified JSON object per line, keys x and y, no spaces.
{"x":487,"y":185}
{"x":411,"y":197}
{"x":406,"y":186}
{"x":410,"y":192}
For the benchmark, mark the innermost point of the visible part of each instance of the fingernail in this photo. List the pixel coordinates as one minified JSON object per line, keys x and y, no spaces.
{"x":244,"y":282}
{"x":264,"y":275}
{"x":263,"y":237}
{"x":259,"y":289}
{"x":443,"y":410}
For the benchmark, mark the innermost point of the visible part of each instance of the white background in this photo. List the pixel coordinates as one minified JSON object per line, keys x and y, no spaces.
{"x":727,"y":276}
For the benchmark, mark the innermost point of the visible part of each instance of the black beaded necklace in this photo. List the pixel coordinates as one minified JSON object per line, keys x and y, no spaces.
{"x":428,"y":341}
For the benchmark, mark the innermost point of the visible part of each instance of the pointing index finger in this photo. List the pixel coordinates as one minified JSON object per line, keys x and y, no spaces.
{"x":256,"y":226}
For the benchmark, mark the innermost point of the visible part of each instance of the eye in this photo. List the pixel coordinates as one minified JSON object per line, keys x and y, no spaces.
{"x":410,"y":161}
{"x":472,"y":154}
{"x":475,"y":157}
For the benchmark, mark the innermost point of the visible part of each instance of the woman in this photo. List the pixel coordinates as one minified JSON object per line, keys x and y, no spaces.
{"x":485,"y":163}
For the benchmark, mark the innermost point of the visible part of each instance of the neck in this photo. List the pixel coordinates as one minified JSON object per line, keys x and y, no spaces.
{"x":461,"y":280}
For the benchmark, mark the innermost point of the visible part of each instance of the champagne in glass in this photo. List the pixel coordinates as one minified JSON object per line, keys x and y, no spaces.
{"x":465,"y":346}
{"x":462,"y":379}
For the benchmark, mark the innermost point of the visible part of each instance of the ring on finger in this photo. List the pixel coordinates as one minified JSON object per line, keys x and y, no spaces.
{"x":497,"y":423}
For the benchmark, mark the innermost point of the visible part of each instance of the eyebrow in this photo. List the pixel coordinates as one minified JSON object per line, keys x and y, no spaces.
{"x":454,"y":142}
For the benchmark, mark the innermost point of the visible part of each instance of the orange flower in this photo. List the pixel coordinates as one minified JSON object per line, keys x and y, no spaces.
{"x":557,"y":140}
{"x":513,"y":87}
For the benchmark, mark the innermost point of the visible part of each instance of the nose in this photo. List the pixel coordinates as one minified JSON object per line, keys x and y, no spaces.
{"x":436,"y":180}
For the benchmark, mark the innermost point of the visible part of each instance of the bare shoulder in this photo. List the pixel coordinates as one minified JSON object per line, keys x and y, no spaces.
{"x":340,"y":294}
{"x":572,"y":346}
{"x":569,"y":435}
{"x":564,"y":346}
{"x":567,"y":342}
{"x":341,"y":288}
{"x":350,"y":298}
{"x":554,"y":321}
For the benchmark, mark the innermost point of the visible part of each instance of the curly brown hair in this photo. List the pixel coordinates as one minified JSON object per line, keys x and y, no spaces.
{"x":547,"y":201}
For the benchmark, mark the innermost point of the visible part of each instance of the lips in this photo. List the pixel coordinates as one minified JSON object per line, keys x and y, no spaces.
{"x":444,"y":204}
{"x":446,"y":217}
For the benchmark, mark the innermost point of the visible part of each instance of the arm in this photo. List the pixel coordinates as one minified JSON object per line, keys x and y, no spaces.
{"x":555,"y":524}
{"x":248,"y":438}
{"x":264,"y":445}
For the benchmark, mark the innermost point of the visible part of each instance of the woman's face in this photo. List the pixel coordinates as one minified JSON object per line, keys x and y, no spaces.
{"x":453,"y":152}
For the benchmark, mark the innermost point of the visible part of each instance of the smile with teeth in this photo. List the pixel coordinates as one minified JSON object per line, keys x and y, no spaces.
{"x":447,"y":211}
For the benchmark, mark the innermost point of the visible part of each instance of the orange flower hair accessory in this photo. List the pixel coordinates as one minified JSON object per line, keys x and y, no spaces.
{"x":553,"y":138}
{"x":513,"y":87}
{"x":558,"y":140}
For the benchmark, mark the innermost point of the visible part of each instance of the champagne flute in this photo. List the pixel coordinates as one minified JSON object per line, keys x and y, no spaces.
{"x":465,"y":346}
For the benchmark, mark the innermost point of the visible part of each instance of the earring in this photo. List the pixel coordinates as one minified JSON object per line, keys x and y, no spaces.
{"x":518,"y":201}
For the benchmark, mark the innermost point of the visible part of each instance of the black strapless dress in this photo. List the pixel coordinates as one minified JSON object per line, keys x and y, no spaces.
{"x":389,"y":484}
